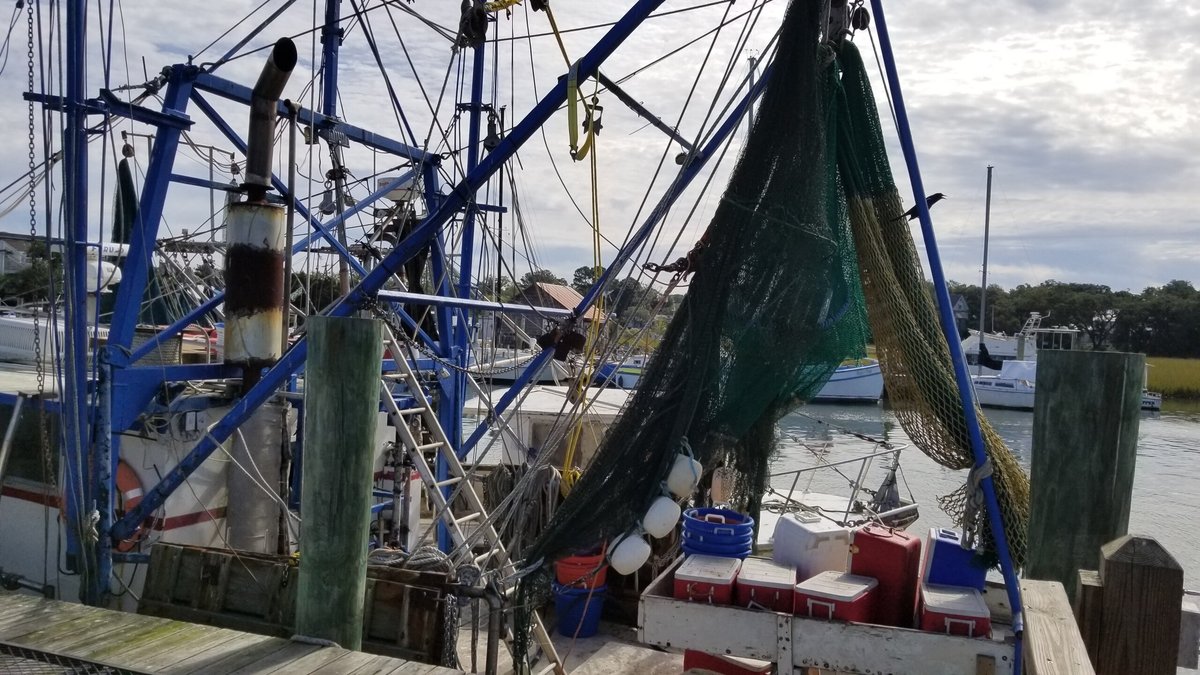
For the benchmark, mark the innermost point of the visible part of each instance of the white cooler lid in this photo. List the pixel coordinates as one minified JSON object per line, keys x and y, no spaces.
{"x":954,"y":601}
{"x":708,"y":568}
{"x":767,"y":573}
{"x":835,"y":585}
{"x":812,"y":523}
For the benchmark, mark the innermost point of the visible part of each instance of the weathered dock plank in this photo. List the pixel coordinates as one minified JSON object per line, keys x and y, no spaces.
{"x":226,"y":656}
{"x":145,"y":644}
{"x":1053,"y":645}
{"x":292,"y":651}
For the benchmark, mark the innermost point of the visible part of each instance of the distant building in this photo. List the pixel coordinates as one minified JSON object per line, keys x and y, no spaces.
{"x":14,"y":252}
{"x":962,"y":312}
{"x":540,"y":294}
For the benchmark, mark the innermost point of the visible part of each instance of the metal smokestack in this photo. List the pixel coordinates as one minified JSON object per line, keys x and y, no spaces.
{"x":254,"y":258}
{"x":264,"y":110}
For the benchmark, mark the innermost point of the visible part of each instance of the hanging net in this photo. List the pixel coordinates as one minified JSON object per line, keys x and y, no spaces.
{"x":809,"y":225}
{"x":774,"y":307}
{"x":917,"y":370}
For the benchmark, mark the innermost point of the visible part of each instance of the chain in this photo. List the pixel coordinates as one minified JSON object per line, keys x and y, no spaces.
{"x":49,"y":474}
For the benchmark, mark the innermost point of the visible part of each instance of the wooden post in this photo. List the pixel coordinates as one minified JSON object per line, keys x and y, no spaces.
{"x":341,"y":407}
{"x":1085,"y":429}
{"x":1089,"y":611}
{"x":1143,"y":587}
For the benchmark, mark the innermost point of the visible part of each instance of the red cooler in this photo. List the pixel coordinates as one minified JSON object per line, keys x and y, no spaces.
{"x":894,"y":558}
{"x":724,"y":665}
{"x":954,"y":610}
{"x":764,"y":584}
{"x":837,"y":595}
{"x":706,"y":578}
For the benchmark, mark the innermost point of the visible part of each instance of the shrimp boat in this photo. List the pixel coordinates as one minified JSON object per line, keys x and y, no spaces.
{"x":138,"y":479}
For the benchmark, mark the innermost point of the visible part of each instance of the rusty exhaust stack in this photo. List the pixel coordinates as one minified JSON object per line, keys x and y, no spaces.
{"x":264,"y":110}
{"x":254,"y":258}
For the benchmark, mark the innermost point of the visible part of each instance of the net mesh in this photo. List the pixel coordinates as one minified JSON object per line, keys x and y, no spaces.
{"x":807,"y":237}
{"x":774,"y":307}
{"x":917,"y":370}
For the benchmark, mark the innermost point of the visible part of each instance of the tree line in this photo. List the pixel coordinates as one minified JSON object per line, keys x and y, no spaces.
{"x":1159,"y":321}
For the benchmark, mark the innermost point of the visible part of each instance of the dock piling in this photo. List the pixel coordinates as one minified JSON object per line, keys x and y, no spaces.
{"x":1085,"y":429}
{"x":341,"y":408}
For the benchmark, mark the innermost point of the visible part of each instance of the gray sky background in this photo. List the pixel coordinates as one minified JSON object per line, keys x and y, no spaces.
{"x":1085,"y":109}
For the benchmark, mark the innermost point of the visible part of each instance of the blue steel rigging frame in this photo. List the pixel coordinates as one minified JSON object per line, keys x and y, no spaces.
{"x":123,"y":389}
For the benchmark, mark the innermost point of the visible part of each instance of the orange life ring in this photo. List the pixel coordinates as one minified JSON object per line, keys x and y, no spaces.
{"x":129,"y":489}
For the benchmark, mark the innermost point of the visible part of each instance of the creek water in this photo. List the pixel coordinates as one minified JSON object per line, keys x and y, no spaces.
{"x":1166,"y":490}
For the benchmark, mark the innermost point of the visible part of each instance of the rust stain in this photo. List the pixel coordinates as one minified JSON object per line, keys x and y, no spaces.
{"x":253,"y":280}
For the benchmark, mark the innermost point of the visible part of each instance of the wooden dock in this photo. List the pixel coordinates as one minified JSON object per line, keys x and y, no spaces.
{"x":51,"y":632}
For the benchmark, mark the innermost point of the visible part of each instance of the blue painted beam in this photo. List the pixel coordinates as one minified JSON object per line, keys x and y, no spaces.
{"x":136,"y":268}
{"x":233,"y":91}
{"x":293,"y":359}
{"x":950,"y":332}
{"x":686,"y":175}
{"x":463,"y":303}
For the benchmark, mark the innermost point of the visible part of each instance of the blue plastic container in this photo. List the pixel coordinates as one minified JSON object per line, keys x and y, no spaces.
{"x":717,"y":521}
{"x":947,"y":563}
{"x":721,"y":539}
{"x":740,"y":552}
{"x":578,"y":609}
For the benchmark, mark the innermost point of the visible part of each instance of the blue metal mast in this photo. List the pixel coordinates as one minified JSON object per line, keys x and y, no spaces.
{"x":80,"y":495}
{"x":949,"y":329}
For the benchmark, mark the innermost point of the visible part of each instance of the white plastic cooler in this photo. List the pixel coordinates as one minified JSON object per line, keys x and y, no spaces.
{"x":811,"y":544}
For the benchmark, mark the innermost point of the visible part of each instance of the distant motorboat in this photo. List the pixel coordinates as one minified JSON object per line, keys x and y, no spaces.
{"x":1015,"y":385}
{"x":860,"y":381}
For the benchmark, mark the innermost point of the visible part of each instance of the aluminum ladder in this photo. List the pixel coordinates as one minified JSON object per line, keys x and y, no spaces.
{"x":497,"y":554}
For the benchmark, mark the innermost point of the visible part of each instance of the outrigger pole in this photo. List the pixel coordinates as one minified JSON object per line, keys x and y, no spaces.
{"x":950,"y":331}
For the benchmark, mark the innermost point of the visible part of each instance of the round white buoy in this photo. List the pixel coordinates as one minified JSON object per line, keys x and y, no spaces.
{"x":684,"y":476}
{"x":629,"y":553}
{"x":661,"y":517}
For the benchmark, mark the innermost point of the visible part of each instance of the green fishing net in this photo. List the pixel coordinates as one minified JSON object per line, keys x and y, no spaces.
{"x":774,"y":307}
{"x":809,"y":225}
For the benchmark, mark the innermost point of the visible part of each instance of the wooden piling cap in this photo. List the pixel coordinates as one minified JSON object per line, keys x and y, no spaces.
{"x":1138,"y":551}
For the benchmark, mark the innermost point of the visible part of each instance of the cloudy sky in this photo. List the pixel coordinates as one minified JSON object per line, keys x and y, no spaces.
{"x":1085,"y":110}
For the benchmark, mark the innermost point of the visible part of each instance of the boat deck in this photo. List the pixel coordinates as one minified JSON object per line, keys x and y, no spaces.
{"x":44,"y":636}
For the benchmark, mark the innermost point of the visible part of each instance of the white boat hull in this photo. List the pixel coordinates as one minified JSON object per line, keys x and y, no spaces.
{"x":853,"y":384}
{"x":510,"y":368}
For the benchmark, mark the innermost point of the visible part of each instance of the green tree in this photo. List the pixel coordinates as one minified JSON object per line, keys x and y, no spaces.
{"x":540,"y":276}
{"x":584,"y":278}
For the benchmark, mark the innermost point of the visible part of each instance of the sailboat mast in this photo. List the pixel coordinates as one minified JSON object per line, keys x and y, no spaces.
{"x":987,"y":223}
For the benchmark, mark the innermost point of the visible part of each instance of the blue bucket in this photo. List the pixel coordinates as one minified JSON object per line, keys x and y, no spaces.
{"x":578,"y":610}
{"x":732,"y":551}
{"x":718,"y":539}
{"x":717,"y":521}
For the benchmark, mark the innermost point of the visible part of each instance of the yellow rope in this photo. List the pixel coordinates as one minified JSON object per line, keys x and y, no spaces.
{"x":497,"y":5}
{"x":569,"y":473}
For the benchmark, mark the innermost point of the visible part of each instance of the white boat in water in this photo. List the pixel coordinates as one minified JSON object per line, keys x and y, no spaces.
{"x":857,"y":382}
{"x":860,"y":381}
{"x":1014,"y":386}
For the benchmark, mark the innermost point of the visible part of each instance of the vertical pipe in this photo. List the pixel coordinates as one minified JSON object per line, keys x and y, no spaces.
{"x":341,"y":404}
{"x":331,"y":41}
{"x":290,"y":225}
{"x":450,"y":411}
{"x":105,"y":463}
{"x":946,"y":315}
{"x":75,"y":166}
{"x":987,"y":226}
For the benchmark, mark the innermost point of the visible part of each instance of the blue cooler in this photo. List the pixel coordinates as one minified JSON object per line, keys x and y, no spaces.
{"x":947,"y":563}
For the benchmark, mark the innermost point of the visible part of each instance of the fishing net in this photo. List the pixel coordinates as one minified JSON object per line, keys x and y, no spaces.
{"x":809,"y":225}
{"x":912,"y":350}
{"x":773,"y":309}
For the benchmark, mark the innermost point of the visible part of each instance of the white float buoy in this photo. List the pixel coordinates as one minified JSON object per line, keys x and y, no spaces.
{"x":661,"y":517}
{"x":629,"y":553}
{"x":684,"y":476}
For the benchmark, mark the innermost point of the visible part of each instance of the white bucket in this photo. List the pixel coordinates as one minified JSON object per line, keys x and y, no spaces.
{"x":661,"y":517}
{"x":629,"y":553}
{"x":684,"y":476}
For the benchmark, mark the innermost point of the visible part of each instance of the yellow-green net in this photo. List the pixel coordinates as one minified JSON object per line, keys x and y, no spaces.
{"x":913,"y":354}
